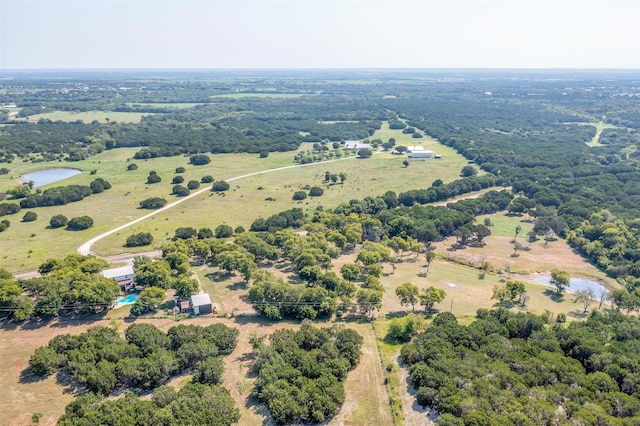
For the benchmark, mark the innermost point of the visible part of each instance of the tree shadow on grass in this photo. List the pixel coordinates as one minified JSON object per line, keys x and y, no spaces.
{"x":27,"y":376}
{"x":578,"y":314}
{"x":554,"y":295}
{"x":239,"y":285}
{"x":219,"y":276}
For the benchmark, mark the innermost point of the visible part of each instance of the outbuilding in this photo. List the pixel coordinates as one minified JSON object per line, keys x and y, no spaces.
{"x":201,"y":304}
{"x":354,"y":145}
{"x":425,"y":153}
{"x":123,"y":275}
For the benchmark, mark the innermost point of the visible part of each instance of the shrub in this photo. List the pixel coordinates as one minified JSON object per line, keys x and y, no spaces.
{"x":299,"y":195}
{"x":193,"y":184}
{"x":58,"y":221}
{"x":79,"y":223}
{"x":179,"y":169}
{"x":204,"y":233}
{"x":316,"y":191}
{"x":29,"y":217}
{"x":199,"y":159}
{"x":264,"y":154}
{"x":99,"y":185}
{"x":139,"y":239}
{"x":220,"y":186}
{"x":206,"y":179}
{"x":4,"y":225}
{"x":153,"y":178}
{"x":223,"y":231}
{"x":177,"y":179}
{"x":153,"y":203}
{"x":184,"y":233}
{"x":132,"y":166}
{"x":180,"y":191}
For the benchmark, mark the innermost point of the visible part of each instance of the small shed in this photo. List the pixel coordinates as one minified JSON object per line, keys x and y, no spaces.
{"x":201,"y":304}
{"x":123,"y":275}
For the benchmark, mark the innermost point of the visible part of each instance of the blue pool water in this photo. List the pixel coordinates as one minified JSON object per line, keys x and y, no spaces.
{"x":45,"y":177}
{"x":127,"y":300}
{"x":576,"y":284}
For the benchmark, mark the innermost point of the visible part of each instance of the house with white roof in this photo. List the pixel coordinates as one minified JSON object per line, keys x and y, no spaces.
{"x":123,"y":275}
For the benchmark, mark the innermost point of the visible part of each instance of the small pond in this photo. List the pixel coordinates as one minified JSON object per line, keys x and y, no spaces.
{"x":576,"y":284}
{"x":47,"y":176}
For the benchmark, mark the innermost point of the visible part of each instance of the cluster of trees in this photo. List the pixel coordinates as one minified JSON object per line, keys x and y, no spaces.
{"x":103,"y":362}
{"x":9,"y":208}
{"x":314,"y":191}
{"x":69,"y":286}
{"x":139,"y":239}
{"x":61,"y":195}
{"x":194,"y":403}
{"x":301,"y":373}
{"x":583,"y":373}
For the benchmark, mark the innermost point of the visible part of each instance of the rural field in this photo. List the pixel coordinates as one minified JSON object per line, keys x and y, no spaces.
{"x":367,"y":396}
{"x":88,"y":117}
{"x":27,"y":245}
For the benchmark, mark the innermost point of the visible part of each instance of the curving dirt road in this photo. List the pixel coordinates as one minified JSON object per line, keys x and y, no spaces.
{"x":85,"y":249}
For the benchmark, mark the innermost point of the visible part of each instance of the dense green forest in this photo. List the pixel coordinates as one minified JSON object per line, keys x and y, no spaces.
{"x":516,"y":369}
{"x":300,"y":373}
{"x":146,"y":359}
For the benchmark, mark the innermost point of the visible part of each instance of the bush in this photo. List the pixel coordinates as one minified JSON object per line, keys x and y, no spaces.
{"x":264,"y":154}
{"x":153,"y":178}
{"x":299,"y":195}
{"x":316,"y":191}
{"x":193,"y":184}
{"x":99,"y":185}
{"x":153,"y":203}
{"x":4,"y":225}
{"x":139,"y":239}
{"x":184,"y":233}
{"x":58,"y":221}
{"x":29,"y":217}
{"x":220,"y":186}
{"x":132,"y":166}
{"x":223,"y":231}
{"x":204,"y":233}
{"x":79,"y":223}
{"x":206,"y":179}
{"x":177,"y":179}
{"x":179,"y":169}
{"x":199,"y":159}
{"x":180,"y":191}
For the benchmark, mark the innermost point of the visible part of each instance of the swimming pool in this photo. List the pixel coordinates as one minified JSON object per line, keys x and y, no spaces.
{"x":127,"y":300}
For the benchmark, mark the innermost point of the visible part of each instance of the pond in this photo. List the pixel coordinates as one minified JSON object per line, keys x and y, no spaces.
{"x":576,"y":284}
{"x":47,"y":176}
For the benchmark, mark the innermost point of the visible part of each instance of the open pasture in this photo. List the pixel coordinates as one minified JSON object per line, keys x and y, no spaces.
{"x":88,"y":117}
{"x":258,"y":95}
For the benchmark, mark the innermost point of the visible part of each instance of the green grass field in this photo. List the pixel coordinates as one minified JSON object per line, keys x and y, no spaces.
{"x":176,"y":105}
{"x":27,"y":245}
{"x":88,"y":117}
{"x":258,"y":95}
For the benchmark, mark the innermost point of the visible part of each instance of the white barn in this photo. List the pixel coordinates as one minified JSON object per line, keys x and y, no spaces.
{"x":425,"y":153}
{"x":353,"y":145}
{"x":201,"y":304}
{"x":123,"y":275}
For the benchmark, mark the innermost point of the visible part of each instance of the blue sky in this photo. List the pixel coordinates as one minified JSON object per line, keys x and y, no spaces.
{"x":319,"y":34}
